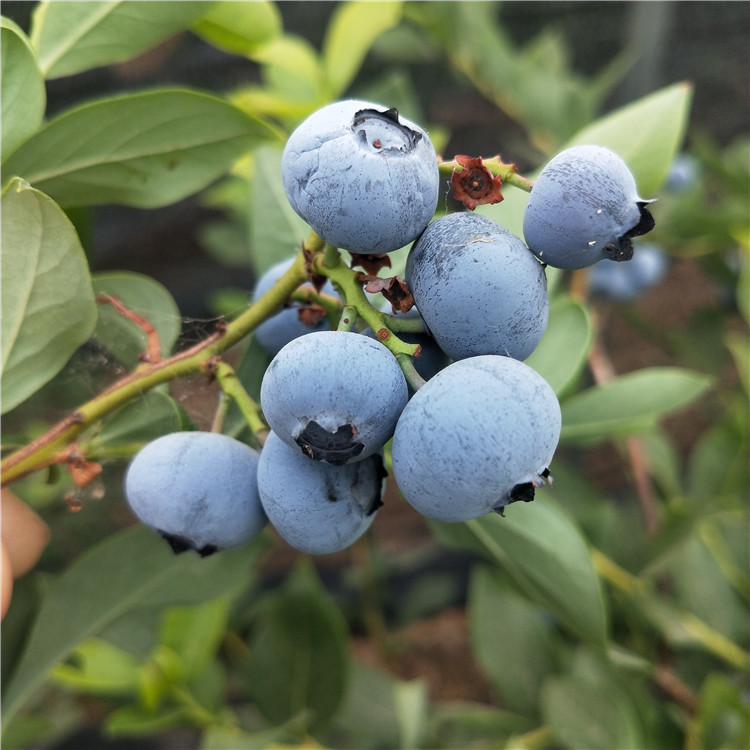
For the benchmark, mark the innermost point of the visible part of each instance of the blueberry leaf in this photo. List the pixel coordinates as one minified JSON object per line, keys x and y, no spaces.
{"x":561,"y":354}
{"x":131,"y":571}
{"x":353,"y":29}
{"x":24,"y":96}
{"x":73,"y":37}
{"x":545,"y":554}
{"x":48,"y":307}
{"x":629,"y":403}
{"x":591,"y":707}
{"x":239,"y":28}
{"x":146,"y":149}
{"x":646,"y":133}
{"x":150,"y":416}
{"x":511,"y":641}
{"x":299,"y":660}
{"x":276,"y":232}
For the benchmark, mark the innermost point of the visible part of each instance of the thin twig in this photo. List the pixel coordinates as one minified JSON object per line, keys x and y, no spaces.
{"x":153,"y":345}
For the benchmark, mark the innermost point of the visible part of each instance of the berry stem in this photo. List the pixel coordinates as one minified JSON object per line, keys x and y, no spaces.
{"x":41,"y":451}
{"x":232,"y":387}
{"x":348,"y":319}
{"x":413,"y":378}
{"x":331,"y":265}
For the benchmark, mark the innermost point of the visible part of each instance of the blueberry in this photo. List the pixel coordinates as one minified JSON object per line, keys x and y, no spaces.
{"x":478,"y":288}
{"x":363,"y":177}
{"x":199,"y":490}
{"x":583,"y":208}
{"x":334,"y":395}
{"x":315,"y":507}
{"x":627,"y":281}
{"x":278,"y":330}
{"x":479,"y":435}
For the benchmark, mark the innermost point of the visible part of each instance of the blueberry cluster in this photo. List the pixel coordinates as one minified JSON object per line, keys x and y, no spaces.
{"x":472,"y":432}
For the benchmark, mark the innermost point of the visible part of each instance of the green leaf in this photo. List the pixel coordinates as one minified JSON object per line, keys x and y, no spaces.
{"x":723,"y":716}
{"x":367,"y":717}
{"x":98,"y":668}
{"x":276,"y":231}
{"x":591,"y":708}
{"x":466,"y":724}
{"x":353,"y":29}
{"x":194,"y":633}
{"x":700,"y":586}
{"x":292,"y":70}
{"x":146,"y":149}
{"x":24,"y":96}
{"x":718,"y":466}
{"x":647,"y":134}
{"x":299,"y":656}
{"x":561,"y":354}
{"x":240,"y":27}
{"x":48,"y":307}
{"x":630,"y":403}
{"x":545,"y":554}
{"x":511,"y":642}
{"x":147,"y":418}
{"x":142,"y":295}
{"x":72,"y":37}
{"x":131,"y":570}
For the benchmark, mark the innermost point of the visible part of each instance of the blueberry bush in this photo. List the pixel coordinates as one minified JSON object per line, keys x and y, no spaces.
{"x":191,"y":523}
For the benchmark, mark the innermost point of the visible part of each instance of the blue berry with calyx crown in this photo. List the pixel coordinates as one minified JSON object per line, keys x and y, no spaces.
{"x":625,"y":282}
{"x":584,"y":207}
{"x":333,"y":395}
{"x":478,"y":288}
{"x":362,"y":176}
{"x":315,"y":507}
{"x":199,"y":490}
{"x":479,"y":435}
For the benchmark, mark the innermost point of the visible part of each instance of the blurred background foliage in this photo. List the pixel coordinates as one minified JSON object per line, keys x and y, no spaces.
{"x":611,"y":613}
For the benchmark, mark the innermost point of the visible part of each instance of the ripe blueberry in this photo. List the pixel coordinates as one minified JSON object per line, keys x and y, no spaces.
{"x":334,"y":395}
{"x":363,"y":177}
{"x":318,"y":508}
{"x":584,"y":207}
{"x":478,"y":288}
{"x":479,"y":435}
{"x":199,"y":490}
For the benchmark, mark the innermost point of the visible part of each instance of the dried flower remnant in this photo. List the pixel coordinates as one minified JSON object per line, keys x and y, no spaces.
{"x":395,"y":291}
{"x":372,"y":263}
{"x":474,"y":184}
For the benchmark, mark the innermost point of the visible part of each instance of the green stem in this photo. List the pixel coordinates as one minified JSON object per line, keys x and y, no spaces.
{"x":404,"y":325}
{"x":233,"y":388}
{"x":413,"y":378}
{"x":348,"y":318}
{"x":676,"y":625}
{"x":217,"y":425}
{"x":27,"y":459}
{"x":334,"y":268}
